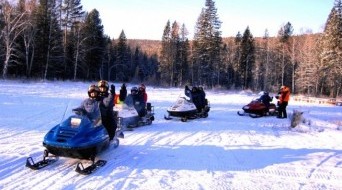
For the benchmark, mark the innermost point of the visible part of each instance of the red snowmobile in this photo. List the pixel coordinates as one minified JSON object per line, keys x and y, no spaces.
{"x":257,"y":109}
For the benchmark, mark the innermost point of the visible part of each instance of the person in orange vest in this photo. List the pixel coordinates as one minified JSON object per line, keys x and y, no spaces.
{"x":120,"y":98}
{"x":284,"y":97}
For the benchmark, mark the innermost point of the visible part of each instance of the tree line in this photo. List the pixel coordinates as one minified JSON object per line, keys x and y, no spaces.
{"x":56,"y":39}
{"x":308,"y":63}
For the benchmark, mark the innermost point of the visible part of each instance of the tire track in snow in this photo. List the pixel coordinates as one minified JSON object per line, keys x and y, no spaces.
{"x":303,"y":175}
{"x":313,"y":171}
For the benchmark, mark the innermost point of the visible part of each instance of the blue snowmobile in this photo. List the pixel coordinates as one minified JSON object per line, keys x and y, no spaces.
{"x":75,"y":137}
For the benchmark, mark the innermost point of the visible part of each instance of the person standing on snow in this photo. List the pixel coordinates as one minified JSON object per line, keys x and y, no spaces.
{"x":106,"y":104}
{"x":284,"y":97}
{"x":91,"y":105}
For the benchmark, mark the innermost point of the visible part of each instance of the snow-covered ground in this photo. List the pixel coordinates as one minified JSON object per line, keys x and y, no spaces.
{"x":223,"y":151}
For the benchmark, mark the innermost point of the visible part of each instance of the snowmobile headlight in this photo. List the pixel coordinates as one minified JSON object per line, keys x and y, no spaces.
{"x":246,"y":107}
{"x":75,"y":122}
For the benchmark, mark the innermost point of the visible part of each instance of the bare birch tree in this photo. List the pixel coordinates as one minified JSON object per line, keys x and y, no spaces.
{"x":14,"y":25}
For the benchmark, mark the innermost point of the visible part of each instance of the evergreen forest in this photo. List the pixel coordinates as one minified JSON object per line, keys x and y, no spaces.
{"x":58,"y":40}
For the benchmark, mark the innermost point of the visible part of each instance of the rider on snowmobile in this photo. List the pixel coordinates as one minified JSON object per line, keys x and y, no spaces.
{"x":91,"y":105}
{"x":142,"y":91}
{"x":197,"y":96}
{"x":265,"y":99}
{"x":106,"y":104}
{"x":135,"y":99}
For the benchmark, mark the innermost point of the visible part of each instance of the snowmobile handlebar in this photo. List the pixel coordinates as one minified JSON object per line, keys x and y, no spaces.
{"x":79,"y":111}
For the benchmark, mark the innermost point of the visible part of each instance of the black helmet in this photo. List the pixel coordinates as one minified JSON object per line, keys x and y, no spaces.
{"x":134,"y":90}
{"x":123,"y":86}
{"x":265,"y":93}
{"x":103,"y":86}
{"x":93,"y":91}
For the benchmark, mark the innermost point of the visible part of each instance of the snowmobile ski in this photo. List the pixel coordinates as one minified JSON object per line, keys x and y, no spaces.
{"x":90,"y":169}
{"x":253,"y":115}
{"x":41,"y":164}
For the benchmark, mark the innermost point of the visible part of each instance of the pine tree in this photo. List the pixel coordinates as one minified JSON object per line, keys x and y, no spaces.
{"x":137,"y":56}
{"x":176,"y":64}
{"x":122,"y":58}
{"x":331,"y":53}
{"x":48,"y":41}
{"x":94,"y":44}
{"x":207,"y":46}
{"x":108,"y":60}
{"x":247,"y":59}
{"x":237,"y":76}
{"x":166,"y":55}
{"x":184,"y":56}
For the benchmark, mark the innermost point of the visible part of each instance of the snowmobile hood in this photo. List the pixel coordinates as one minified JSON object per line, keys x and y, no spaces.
{"x":125,"y":111}
{"x":76,"y":132}
{"x":182,"y":105}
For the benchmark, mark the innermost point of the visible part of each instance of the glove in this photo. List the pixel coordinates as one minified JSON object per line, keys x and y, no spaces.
{"x":112,"y":89}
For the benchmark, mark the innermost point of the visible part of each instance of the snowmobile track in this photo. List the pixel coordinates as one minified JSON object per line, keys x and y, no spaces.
{"x":303,"y":175}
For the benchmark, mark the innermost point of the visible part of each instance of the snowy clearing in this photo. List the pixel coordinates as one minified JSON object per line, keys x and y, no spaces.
{"x":223,"y":151}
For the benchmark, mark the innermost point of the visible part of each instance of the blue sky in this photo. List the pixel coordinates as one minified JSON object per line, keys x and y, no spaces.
{"x":146,"y":19}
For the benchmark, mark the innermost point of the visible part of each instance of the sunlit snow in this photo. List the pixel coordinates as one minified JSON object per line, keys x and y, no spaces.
{"x":223,"y":151}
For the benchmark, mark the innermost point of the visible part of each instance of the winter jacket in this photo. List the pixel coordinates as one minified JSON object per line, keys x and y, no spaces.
{"x":123,"y":93}
{"x":106,"y":105}
{"x":265,"y":99}
{"x":137,"y":101}
{"x":284,"y":94}
{"x":144,"y":95}
{"x":91,"y":106}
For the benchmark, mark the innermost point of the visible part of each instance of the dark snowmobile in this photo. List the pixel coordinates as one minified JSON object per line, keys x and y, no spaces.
{"x":186,"y":109}
{"x":75,"y":137}
{"x":257,"y":109}
{"x":128,"y":117}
